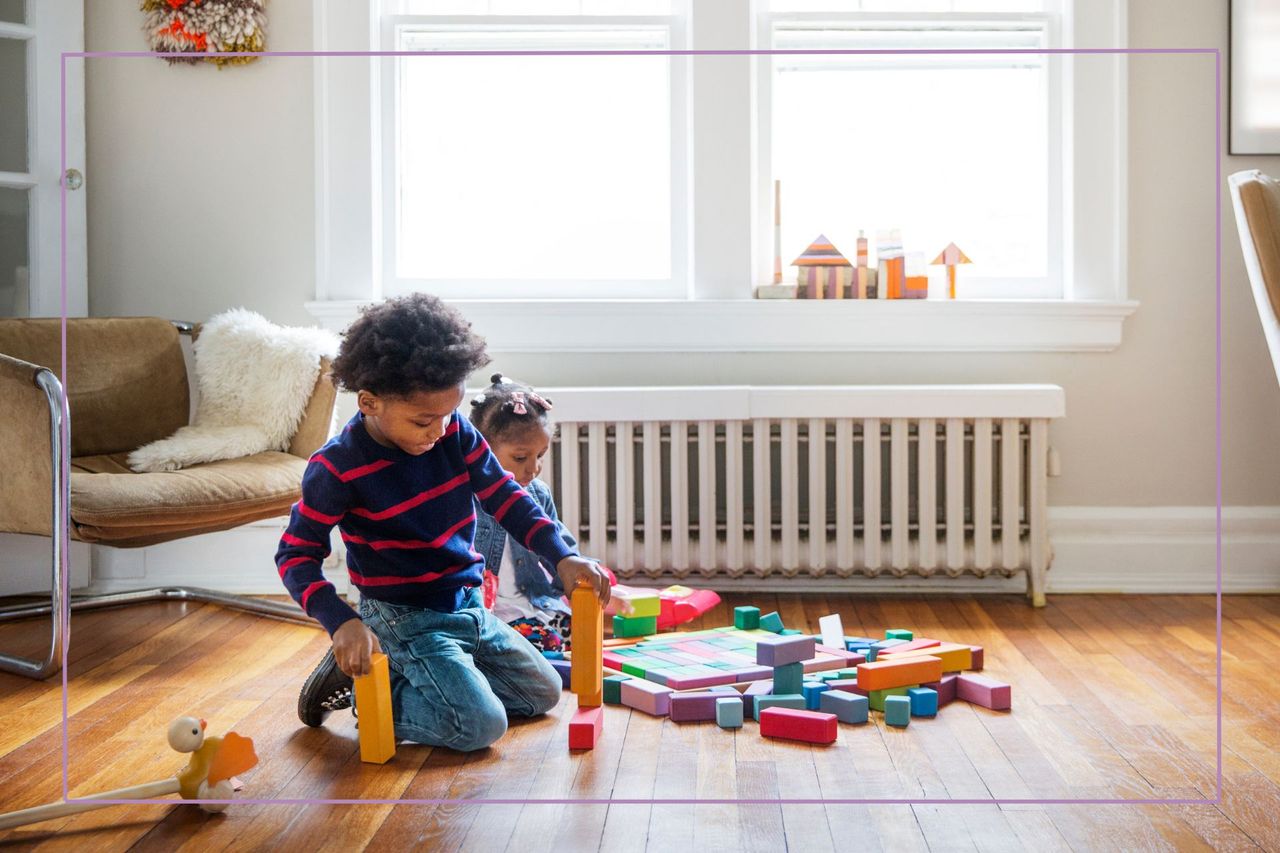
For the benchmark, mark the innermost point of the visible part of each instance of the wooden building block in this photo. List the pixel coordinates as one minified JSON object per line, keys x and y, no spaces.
{"x":848,"y":707}
{"x":852,"y":643}
{"x":807,"y":726}
{"x":373,"y":701}
{"x":746,"y":618}
{"x":954,"y":656}
{"x":790,"y":632}
{"x":693,"y":707}
{"x":975,"y":653}
{"x":811,"y":691}
{"x":586,"y":677}
{"x":641,"y":606}
{"x":847,"y":685}
{"x":646,"y":696}
{"x":778,"y":700}
{"x":639,"y":626}
{"x":984,"y":691}
{"x":585,"y":727}
{"x":754,"y":691}
{"x":565,"y":670}
{"x":924,"y":701}
{"x":777,"y":651}
{"x":895,"y":672}
{"x":771,"y":622}
{"x":867,"y":653}
{"x":877,"y":698}
{"x":729,"y":712}
{"x":788,"y":678}
{"x":882,"y":646}
{"x":898,"y":634}
{"x":918,"y":643}
{"x":612,"y":689}
{"x":945,"y":688}
{"x":897,"y":710}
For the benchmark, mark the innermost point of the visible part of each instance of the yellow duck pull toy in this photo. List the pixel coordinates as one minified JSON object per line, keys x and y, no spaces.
{"x":206,"y":776}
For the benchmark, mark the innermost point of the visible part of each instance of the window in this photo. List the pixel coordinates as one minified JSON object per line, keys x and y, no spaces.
{"x":942,"y":148}
{"x":534,"y":176}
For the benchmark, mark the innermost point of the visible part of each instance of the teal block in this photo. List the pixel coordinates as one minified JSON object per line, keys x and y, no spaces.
{"x":812,"y":690}
{"x":867,"y":652}
{"x":924,"y":701}
{"x":898,"y":634}
{"x":787,"y":700}
{"x":897,"y":710}
{"x":729,"y":713}
{"x":550,"y":655}
{"x":788,"y":678}
{"x":746,"y":618}
{"x":771,"y":622}
{"x":848,"y":707}
{"x":638,"y":626}
{"x":788,"y":632}
{"x":613,"y":689}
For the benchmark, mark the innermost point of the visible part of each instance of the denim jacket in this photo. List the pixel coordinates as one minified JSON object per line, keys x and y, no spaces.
{"x":535,"y":578}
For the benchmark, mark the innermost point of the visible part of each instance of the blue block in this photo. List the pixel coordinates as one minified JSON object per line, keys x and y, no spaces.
{"x":868,"y":652}
{"x":854,"y":643}
{"x":729,"y":713}
{"x":550,"y":655}
{"x":562,"y":667}
{"x":885,"y":645}
{"x":811,"y":690}
{"x":897,"y":710}
{"x":771,"y":622}
{"x":848,"y":707}
{"x":789,"y":700}
{"x":788,"y":678}
{"x":924,"y":701}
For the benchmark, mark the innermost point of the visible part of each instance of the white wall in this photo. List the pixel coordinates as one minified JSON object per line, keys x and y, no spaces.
{"x":200,"y":198}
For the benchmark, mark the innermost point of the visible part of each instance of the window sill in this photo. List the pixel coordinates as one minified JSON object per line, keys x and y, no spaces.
{"x":749,"y":325}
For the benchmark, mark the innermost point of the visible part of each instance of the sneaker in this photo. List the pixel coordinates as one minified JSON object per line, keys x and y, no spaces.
{"x":327,"y":689}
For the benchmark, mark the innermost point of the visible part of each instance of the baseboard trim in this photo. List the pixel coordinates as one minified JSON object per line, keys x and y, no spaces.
{"x":1096,"y":550}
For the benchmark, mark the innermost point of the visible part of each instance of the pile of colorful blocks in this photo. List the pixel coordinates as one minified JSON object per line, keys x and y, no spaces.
{"x":794,"y":686}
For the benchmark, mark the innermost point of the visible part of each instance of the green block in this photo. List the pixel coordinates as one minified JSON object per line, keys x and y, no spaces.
{"x":788,"y":632}
{"x":897,"y":710}
{"x":635,"y":669}
{"x":634,"y":626}
{"x":828,"y":675}
{"x":788,"y":678}
{"x":771,"y":622}
{"x":877,"y":697}
{"x":898,"y":634}
{"x":780,"y":700}
{"x":850,"y":672}
{"x":746,"y":617}
{"x":613,"y":689}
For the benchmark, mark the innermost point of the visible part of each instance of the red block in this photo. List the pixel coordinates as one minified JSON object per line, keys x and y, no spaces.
{"x":585,"y":728}
{"x":613,"y":660}
{"x":984,"y":691}
{"x":808,"y":726}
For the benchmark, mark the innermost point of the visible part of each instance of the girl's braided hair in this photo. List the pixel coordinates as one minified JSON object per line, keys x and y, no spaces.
{"x":508,"y":407}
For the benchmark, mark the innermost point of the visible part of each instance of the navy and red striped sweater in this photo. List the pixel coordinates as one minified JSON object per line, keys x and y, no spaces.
{"x":408,"y":521}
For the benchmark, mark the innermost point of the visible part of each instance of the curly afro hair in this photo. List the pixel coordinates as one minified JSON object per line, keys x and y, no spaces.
{"x":406,"y":345}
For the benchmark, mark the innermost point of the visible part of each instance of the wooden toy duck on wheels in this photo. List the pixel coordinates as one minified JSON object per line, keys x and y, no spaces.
{"x":208,"y":775}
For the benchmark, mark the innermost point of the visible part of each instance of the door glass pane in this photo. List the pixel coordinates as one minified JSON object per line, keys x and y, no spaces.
{"x":13,"y":105}
{"x":14,"y":207}
{"x":13,"y":11}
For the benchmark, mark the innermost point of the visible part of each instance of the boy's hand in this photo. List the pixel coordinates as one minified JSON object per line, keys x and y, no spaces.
{"x":353,"y":644}
{"x":573,"y":570}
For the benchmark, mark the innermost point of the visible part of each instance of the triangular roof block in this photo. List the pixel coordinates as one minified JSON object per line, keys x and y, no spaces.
{"x":821,"y":253}
{"x":951,"y":255}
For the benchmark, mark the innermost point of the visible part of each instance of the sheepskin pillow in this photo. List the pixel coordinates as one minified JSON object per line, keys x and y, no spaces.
{"x":254,"y":380}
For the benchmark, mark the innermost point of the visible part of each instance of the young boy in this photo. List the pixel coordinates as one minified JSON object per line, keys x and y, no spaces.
{"x":398,"y":482}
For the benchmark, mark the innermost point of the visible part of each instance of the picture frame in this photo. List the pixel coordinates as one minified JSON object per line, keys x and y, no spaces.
{"x":1253,"y":97}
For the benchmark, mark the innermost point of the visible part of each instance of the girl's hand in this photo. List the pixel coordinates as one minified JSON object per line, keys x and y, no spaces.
{"x":575,"y":570}
{"x":353,"y":645}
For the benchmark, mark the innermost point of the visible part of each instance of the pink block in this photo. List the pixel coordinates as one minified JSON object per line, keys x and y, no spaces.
{"x":921,"y":643}
{"x":646,"y":696}
{"x":849,"y":685}
{"x":614,"y":661}
{"x":752,"y":673}
{"x":946,"y":689}
{"x":976,"y":665}
{"x":984,"y":691}
{"x":692,"y":682}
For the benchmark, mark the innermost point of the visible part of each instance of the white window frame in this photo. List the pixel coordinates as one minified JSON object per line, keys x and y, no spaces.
{"x":676,"y":287}
{"x":728,"y":240}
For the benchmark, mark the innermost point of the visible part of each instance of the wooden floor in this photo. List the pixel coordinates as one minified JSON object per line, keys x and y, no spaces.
{"x":1113,"y":697}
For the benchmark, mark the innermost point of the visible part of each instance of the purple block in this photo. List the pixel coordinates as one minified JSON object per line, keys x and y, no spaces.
{"x":946,"y":689}
{"x":977,"y":656}
{"x":984,"y":691}
{"x":690,"y":707}
{"x":693,"y":682}
{"x":758,"y":688}
{"x":782,"y":650}
{"x":646,"y":696}
{"x":562,"y":667}
{"x":753,"y":673}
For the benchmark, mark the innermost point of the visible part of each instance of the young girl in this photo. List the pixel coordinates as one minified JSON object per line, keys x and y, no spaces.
{"x":519,"y":586}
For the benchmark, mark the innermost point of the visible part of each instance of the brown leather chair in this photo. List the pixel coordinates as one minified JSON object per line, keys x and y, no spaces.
{"x":1256,"y":200}
{"x":65,"y":474}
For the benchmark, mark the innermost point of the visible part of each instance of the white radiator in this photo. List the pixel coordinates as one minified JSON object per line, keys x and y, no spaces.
{"x":807,"y":482}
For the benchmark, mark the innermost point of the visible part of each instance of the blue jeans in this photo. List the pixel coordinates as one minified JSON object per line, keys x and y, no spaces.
{"x":456,"y":676}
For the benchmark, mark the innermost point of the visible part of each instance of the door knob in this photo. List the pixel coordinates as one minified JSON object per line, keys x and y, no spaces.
{"x":73,"y":179}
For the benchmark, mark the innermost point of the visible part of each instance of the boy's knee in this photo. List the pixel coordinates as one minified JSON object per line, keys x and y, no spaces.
{"x":545,"y":695}
{"x":481,"y":728}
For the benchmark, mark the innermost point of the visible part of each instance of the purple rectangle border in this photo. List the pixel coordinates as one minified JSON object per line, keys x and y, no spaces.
{"x":65,"y":614}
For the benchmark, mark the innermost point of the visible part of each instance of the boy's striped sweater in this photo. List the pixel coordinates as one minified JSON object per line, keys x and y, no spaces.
{"x":407,"y":521}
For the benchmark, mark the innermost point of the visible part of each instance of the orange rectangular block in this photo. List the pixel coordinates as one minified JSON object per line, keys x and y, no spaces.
{"x":907,"y":672}
{"x":586,"y":674}
{"x":954,"y":656}
{"x":373,"y":701}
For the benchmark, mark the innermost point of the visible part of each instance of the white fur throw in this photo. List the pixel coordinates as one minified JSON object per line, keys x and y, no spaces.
{"x":254,"y":380}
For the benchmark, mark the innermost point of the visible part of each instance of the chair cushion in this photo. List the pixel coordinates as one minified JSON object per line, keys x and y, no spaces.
{"x":114,"y":506}
{"x":1261,"y":201}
